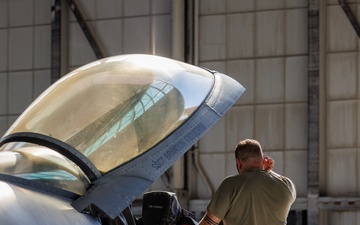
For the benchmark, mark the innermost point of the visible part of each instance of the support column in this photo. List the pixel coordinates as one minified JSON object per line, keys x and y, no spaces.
{"x":64,"y":51}
{"x":59,"y":40}
{"x":55,"y":40}
{"x":313,"y":113}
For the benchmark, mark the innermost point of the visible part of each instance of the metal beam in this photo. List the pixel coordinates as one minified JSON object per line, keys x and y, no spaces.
{"x":79,"y":15}
{"x":64,"y":39}
{"x":178,"y":32}
{"x":55,"y":40}
{"x":189,"y":39}
{"x":350,"y":16}
{"x":339,"y":203}
{"x":313,"y":112}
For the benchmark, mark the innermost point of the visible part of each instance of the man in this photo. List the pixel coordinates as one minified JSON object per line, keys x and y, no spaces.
{"x":255,"y":196}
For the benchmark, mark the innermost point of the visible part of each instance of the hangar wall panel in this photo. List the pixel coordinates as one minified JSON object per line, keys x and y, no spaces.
{"x":24,"y":55}
{"x":263,"y":45}
{"x":121,"y":26}
{"x":337,"y":217}
{"x":340,"y":112}
{"x":342,"y":103}
{"x":340,"y":33}
{"x":3,"y":49}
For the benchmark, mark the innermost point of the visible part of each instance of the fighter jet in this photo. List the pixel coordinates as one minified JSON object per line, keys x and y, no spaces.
{"x":97,"y":138}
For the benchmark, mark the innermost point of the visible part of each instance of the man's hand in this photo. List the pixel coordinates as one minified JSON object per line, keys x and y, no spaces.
{"x":268,"y":163}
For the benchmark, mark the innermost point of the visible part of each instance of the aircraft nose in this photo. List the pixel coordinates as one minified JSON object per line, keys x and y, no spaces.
{"x":6,"y":192}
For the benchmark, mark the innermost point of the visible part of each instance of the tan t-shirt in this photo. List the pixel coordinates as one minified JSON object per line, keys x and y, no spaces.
{"x":255,"y":197}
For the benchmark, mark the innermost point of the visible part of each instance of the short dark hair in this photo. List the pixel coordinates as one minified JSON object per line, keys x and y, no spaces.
{"x":248,"y":148}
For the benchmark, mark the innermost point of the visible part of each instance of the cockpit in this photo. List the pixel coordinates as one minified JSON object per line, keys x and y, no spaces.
{"x":100,"y":117}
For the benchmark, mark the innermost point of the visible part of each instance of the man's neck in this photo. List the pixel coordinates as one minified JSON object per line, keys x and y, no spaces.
{"x":251,"y":167}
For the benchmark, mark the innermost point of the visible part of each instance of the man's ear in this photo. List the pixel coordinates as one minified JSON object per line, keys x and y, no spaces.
{"x":238,"y":165}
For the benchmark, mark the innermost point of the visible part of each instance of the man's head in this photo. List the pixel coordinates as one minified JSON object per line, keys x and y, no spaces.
{"x":248,"y":155}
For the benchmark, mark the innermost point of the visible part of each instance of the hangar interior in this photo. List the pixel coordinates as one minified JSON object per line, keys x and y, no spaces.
{"x":297,"y":59}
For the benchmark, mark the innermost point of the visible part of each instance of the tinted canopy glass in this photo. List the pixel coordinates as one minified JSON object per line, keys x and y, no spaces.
{"x":116,"y":108}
